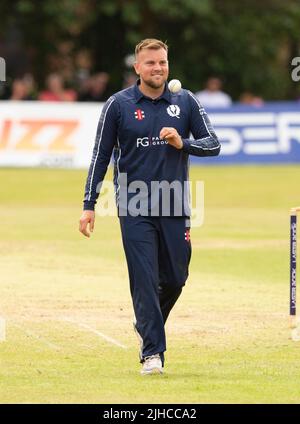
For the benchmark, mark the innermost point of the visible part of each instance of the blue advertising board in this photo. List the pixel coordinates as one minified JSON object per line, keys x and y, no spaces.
{"x":248,"y":134}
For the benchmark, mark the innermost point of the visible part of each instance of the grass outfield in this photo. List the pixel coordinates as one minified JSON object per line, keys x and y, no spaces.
{"x":61,"y":294}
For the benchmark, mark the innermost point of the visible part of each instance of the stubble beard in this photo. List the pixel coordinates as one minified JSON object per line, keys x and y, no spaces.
{"x":154,"y":85}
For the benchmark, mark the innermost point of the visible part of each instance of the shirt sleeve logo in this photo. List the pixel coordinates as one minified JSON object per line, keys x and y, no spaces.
{"x":174,"y":111}
{"x":139,"y":114}
{"x":187,"y":236}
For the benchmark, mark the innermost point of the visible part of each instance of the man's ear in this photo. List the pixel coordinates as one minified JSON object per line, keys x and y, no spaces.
{"x":136,"y":68}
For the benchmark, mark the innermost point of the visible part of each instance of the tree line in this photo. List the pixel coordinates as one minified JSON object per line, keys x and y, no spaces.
{"x":250,"y":44}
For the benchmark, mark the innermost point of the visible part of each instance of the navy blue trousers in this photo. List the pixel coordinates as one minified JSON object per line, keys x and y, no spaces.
{"x":158,"y":252}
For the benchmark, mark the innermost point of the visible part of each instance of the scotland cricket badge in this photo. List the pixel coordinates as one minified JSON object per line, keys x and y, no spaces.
{"x":139,"y":114}
{"x":174,"y":111}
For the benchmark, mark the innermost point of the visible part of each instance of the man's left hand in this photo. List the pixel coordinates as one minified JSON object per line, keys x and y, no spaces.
{"x":171,"y":135}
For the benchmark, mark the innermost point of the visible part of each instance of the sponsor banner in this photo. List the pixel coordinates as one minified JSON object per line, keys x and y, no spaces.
{"x":47,"y":134}
{"x":268,"y":134}
{"x":62,"y":134}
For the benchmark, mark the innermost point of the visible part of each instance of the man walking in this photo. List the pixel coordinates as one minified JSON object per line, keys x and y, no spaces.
{"x":148,"y":130}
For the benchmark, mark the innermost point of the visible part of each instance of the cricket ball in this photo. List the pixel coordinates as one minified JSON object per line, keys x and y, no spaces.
{"x":174,"y":86}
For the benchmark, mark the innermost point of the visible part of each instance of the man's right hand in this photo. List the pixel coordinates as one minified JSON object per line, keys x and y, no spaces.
{"x":87,"y":219}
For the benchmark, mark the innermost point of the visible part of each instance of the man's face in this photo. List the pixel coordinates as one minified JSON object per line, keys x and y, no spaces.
{"x":152,"y":67}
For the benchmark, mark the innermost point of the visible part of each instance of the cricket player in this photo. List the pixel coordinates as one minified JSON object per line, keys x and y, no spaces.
{"x":147,"y":128}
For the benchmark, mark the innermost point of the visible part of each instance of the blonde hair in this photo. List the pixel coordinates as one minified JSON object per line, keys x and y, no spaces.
{"x":150,"y":43}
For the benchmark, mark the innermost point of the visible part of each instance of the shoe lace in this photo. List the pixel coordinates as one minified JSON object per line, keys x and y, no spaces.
{"x":151,"y":357}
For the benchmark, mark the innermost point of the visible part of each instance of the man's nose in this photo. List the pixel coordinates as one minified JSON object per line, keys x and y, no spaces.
{"x":157,"y":66}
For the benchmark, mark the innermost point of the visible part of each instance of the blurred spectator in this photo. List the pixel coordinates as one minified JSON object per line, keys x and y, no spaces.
{"x":84,"y":63}
{"x":83,"y":78}
{"x":61,"y":61}
{"x":55,"y":90}
{"x":129,"y":79}
{"x":66,"y":65}
{"x":248,"y":98}
{"x":31,"y":86}
{"x":22,"y":88}
{"x":213,"y":96}
{"x":19,"y":90}
{"x":95,"y":89}
{"x":84,"y":88}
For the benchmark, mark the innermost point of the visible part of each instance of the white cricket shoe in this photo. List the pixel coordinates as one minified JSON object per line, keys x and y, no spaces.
{"x":152,"y":365}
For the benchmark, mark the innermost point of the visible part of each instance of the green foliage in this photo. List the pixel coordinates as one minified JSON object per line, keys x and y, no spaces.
{"x":249,"y":44}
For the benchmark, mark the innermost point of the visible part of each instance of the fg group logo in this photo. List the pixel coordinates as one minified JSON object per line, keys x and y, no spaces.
{"x":147,"y":142}
{"x":2,"y":70}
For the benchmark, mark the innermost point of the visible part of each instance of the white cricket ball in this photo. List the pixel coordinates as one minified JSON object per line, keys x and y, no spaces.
{"x":174,"y":86}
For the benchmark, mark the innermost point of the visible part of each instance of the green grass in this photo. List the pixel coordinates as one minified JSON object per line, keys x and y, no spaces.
{"x":228,"y":336}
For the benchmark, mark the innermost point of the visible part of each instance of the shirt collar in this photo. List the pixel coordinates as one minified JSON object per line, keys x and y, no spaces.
{"x":139,"y":95}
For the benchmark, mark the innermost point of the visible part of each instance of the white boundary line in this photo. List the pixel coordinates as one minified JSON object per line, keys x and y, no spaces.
{"x":98,"y":333}
{"x":37,"y":337}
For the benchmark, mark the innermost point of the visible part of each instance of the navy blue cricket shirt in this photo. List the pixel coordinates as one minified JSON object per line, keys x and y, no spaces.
{"x":129,"y":127}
